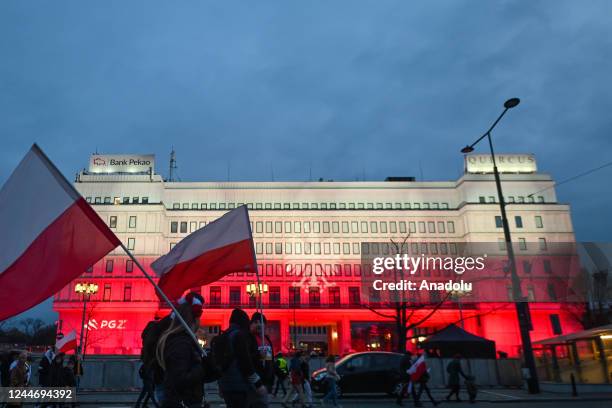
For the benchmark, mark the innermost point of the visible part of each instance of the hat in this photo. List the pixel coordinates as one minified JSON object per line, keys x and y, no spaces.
{"x":257,"y":318}
{"x":195,"y":300}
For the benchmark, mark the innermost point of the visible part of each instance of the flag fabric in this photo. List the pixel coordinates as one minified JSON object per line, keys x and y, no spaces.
{"x":418,"y":368}
{"x":67,"y":342}
{"x":49,"y":234}
{"x":222,"y":247}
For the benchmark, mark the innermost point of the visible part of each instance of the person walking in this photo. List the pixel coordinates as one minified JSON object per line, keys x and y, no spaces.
{"x":296,"y":376}
{"x":18,"y":375}
{"x":421,"y":377}
{"x":148,"y":389}
{"x":331,"y":379}
{"x":404,"y":378}
{"x":454,"y":370}
{"x":281,"y":372}
{"x":181,"y":359}
{"x":240,"y":385}
{"x":264,"y":361}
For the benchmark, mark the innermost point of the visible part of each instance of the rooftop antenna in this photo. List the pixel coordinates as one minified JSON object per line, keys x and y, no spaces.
{"x":172,"y":165}
{"x":229,"y":164}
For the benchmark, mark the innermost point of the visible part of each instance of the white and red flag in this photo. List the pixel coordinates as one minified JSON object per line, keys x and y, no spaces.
{"x":49,"y":234}
{"x":418,"y":368}
{"x":222,"y":247}
{"x":67,"y":342}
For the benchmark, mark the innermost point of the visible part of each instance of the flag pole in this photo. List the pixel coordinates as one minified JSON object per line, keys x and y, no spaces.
{"x":163,"y":295}
{"x":259,"y":288}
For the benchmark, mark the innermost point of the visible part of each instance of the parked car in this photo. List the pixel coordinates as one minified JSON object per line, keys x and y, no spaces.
{"x":367,"y":372}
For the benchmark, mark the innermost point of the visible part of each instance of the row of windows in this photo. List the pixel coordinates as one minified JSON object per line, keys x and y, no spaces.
{"x":117,"y":200}
{"x":355,"y":248}
{"x":522,"y":244}
{"x":512,"y":200}
{"x":518,"y":221}
{"x":333,"y":227}
{"x":312,"y":206}
{"x":112,"y":222}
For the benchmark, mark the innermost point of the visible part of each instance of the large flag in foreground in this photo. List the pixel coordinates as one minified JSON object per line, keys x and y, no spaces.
{"x":49,"y":234}
{"x":222,"y":247}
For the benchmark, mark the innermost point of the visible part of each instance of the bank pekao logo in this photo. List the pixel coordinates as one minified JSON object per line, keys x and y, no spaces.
{"x":93,"y":324}
{"x":98,"y":161}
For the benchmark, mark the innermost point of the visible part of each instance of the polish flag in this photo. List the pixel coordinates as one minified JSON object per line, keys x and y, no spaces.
{"x":417,"y":369}
{"x":49,"y":234}
{"x":222,"y":247}
{"x":67,"y":342}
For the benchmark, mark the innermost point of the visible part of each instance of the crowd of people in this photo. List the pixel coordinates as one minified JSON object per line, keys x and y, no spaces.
{"x":412,"y":377}
{"x":54,"y":370}
{"x":241,"y":361}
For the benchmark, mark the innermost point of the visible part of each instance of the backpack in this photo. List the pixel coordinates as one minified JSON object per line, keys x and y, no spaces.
{"x":222,"y":353}
{"x":150,"y":337}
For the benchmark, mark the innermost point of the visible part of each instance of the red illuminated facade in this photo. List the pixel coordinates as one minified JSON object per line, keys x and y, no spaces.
{"x":307,"y":239}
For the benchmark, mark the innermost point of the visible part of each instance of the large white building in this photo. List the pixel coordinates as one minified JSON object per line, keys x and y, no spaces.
{"x":307,"y":237}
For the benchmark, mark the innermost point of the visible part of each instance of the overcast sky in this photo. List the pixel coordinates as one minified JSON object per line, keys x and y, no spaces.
{"x":340,"y":88}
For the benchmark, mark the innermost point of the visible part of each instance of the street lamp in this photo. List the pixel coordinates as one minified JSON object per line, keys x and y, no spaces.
{"x":253,"y":290}
{"x":85,"y":289}
{"x":522,"y":307}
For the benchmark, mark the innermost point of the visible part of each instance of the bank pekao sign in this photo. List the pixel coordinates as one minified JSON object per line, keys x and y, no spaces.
{"x":121,"y":163}
{"x":506,"y":163}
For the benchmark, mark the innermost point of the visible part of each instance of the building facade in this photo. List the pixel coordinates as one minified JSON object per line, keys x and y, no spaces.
{"x":307,"y":238}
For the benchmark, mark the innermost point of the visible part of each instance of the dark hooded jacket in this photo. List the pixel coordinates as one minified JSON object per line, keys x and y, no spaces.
{"x":184,"y":376}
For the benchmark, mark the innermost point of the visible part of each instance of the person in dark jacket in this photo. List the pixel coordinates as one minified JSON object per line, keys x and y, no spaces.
{"x":240,"y":385}
{"x":454,"y":370}
{"x":404,"y":365}
{"x":264,"y":353}
{"x":181,"y":359}
{"x":44,"y":366}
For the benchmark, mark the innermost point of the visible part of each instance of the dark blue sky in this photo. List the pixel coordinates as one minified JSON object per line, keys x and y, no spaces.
{"x":346,"y":88}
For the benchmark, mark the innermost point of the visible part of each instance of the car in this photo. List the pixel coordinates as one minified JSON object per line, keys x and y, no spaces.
{"x":366,"y":372}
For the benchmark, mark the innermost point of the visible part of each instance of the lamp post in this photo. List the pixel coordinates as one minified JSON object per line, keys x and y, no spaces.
{"x":522,"y":307}
{"x":85,"y":289}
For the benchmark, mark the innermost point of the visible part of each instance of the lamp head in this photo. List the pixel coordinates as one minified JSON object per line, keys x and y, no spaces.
{"x":511,"y":103}
{"x":467,"y":149}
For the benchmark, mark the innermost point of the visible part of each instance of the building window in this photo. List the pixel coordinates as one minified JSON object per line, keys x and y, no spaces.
{"x":354,"y":298}
{"x":518,"y":220}
{"x":234,"y":295}
{"x":547,"y":266}
{"x":278,"y":248}
{"x":431,"y":227}
{"x":274,"y":296}
{"x":129,"y":266}
{"x":294,"y":296}
{"x":127,"y":293}
{"x":183,"y":227}
{"x":482,"y":200}
{"x":364,"y":227}
{"x":450,"y":227}
{"x":314,"y":296}
{"x":334,"y":296}
{"x":109,"y":265}
{"x":287,"y":227}
{"x":527,"y":266}
{"x":278,"y":227}
{"x":132,"y":222}
{"x":89,"y":270}
{"x":374,"y":227}
{"x":107,"y":200}
{"x":498,"y":221}
{"x":522,"y":244}
{"x":530,"y":294}
{"x":131,"y":244}
{"x":113,"y":221}
{"x":542,"y":243}
{"x":491,"y":199}
{"x":173,"y":227}
{"x":107,"y":292}
{"x":215,"y":295}
{"x":538,"y":222}
{"x":145,"y":200}
{"x":259,"y":248}
{"x":402,"y":227}
{"x":135,"y":200}
{"x":540,"y":199}
{"x":422,"y":227}
{"x":97,"y":200}
{"x":551,"y":292}
{"x":441,"y":228}
{"x":555,"y":323}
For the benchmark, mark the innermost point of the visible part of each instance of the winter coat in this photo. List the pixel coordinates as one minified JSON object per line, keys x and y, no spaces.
{"x":184,"y":376}
{"x":241,"y":374}
{"x":454,"y":370}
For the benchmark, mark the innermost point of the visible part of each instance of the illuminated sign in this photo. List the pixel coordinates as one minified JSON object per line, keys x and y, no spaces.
{"x":121,"y":163}
{"x":506,"y":163}
{"x":93,"y":324}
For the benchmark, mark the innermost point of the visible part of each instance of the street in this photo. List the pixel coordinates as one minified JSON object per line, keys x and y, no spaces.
{"x":486,"y":398}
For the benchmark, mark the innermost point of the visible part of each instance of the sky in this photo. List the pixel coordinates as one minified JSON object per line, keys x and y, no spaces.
{"x":342,"y":90}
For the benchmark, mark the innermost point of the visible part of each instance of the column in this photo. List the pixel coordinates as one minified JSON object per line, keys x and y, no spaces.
{"x":284,"y":334}
{"x":345,"y":336}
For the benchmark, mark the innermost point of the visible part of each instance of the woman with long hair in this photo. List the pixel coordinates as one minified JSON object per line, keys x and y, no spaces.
{"x":181,"y":359}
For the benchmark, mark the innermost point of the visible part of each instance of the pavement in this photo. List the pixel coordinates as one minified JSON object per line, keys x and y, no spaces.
{"x":500,"y":397}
